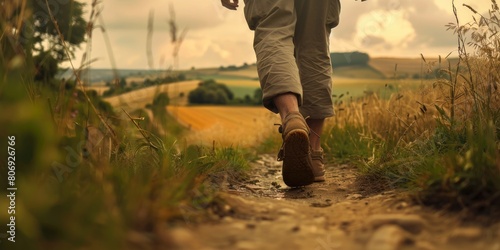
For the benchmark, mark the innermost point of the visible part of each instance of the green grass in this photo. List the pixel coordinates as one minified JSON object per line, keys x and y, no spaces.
{"x":242,"y":91}
{"x":79,"y":189}
{"x":150,"y":180}
{"x":346,"y":143}
{"x":221,"y":77}
{"x":384,"y":88}
{"x":363,"y":72}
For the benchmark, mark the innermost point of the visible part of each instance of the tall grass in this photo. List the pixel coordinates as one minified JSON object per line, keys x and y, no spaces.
{"x":89,"y":176}
{"x":443,"y":140}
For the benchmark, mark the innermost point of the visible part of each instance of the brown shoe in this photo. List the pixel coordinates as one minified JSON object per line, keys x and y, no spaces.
{"x":295,"y":151}
{"x":318,"y":165}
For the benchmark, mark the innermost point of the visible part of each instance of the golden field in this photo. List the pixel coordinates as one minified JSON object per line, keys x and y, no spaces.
{"x":236,"y":125}
{"x":139,"y":98}
{"x":225,"y":125}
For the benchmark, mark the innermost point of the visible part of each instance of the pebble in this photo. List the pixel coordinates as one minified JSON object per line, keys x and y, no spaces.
{"x":260,"y":162}
{"x":254,"y":187}
{"x":319,"y":220}
{"x":246,"y":245}
{"x":388,"y":237}
{"x":227,"y":219}
{"x":286,"y":211}
{"x":226,"y":208}
{"x":181,"y":237}
{"x":424,"y":245}
{"x":295,"y":229}
{"x":237,"y":226}
{"x":275,"y":164}
{"x":411,"y":223}
{"x":354,"y":196}
{"x":243,"y":206}
{"x":402,"y":205}
{"x":465,"y":234}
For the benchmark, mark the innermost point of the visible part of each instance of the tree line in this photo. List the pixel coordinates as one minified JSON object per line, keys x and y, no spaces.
{"x":211,"y":92}
{"x":340,"y":59}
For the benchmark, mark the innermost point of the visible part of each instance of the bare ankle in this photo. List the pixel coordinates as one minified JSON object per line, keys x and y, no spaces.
{"x":286,"y":103}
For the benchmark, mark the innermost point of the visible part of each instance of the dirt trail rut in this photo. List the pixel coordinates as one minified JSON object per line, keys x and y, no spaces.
{"x":262,"y":213}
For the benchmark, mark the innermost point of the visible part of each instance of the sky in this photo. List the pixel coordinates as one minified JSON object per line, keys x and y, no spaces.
{"x":220,"y":37}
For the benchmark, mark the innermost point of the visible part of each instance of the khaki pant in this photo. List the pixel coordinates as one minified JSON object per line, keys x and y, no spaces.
{"x":292,"y":47}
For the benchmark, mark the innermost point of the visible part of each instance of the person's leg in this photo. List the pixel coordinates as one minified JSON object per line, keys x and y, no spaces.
{"x":312,"y":52}
{"x":274,"y":25}
{"x":316,"y":126}
{"x":315,"y":19}
{"x":285,"y":104}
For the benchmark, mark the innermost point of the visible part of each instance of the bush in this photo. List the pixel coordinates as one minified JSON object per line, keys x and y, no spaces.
{"x":161,"y":100}
{"x":210,"y":92}
{"x":349,"y":59}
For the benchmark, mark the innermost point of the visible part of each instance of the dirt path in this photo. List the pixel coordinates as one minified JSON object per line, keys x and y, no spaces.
{"x":263,"y":213}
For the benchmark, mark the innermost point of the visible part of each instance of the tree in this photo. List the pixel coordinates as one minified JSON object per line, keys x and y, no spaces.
{"x":43,"y":32}
{"x":196,"y":96}
{"x":122,"y":83}
{"x":210,"y":92}
{"x":161,"y":100}
{"x":46,"y":67}
{"x":349,"y":59}
{"x":257,"y":96}
{"x":69,"y":21}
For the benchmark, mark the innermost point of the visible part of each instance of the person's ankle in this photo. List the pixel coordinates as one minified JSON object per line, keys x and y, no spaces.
{"x":286,"y":103}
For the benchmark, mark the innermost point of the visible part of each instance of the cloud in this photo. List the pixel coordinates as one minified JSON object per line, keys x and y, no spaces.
{"x":390,"y":26}
{"x":430,"y":28}
{"x":133,"y":14}
{"x":398,"y":27}
{"x":217,"y":36}
{"x":372,"y":41}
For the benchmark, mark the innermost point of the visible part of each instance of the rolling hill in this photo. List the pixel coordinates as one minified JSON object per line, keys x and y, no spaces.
{"x":352,"y":79}
{"x":246,"y":125}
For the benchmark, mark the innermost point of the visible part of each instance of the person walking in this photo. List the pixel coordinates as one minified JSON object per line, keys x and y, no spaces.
{"x":291,"y":43}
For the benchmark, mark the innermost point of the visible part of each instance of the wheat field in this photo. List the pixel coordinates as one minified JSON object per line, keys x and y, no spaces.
{"x":225,"y":125}
{"x":139,"y":98}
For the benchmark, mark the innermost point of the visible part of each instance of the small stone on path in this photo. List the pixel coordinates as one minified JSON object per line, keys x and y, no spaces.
{"x":354,"y":197}
{"x":465,"y":234}
{"x":286,"y":211}
{"x":411,"y":223}
{"x":388,"y":237}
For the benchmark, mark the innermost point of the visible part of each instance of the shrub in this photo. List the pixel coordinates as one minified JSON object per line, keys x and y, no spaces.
{"x":210,"y":92}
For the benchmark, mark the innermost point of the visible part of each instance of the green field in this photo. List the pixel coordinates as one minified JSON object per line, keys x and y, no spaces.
{"x":353,"y":81}
{"x":358,"y":71}
{"x":242,"y":91}
{"x":347,"y":86}
{"x":382,"y":87}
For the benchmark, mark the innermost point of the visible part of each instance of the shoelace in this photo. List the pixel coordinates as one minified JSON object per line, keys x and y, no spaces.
{"x":281,"y":152}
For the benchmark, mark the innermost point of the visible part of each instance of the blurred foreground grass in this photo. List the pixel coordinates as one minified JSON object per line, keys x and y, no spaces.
{"x":89,"y":176}
{"x":81,"y":187}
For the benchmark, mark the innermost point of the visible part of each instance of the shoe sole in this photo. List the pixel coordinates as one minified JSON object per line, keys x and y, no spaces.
{"x":296,"y":169}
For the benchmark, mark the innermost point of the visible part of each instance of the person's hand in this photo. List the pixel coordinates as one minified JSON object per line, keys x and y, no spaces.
{"x":230,"y":4}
